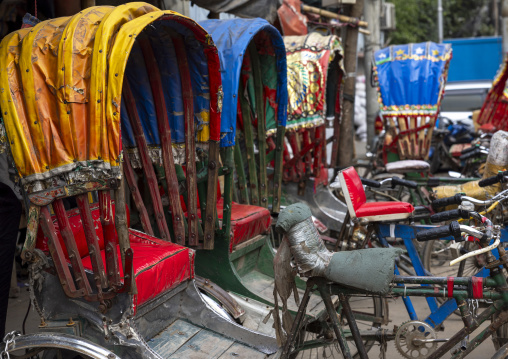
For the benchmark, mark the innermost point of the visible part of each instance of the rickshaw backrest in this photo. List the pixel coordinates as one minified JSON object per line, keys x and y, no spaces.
{"x":76,"y":225}
{"x":314,"y":80}
{"x":410,"y":80}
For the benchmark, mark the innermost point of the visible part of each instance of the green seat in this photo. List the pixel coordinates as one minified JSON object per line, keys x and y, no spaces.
{"x":369,"y":270}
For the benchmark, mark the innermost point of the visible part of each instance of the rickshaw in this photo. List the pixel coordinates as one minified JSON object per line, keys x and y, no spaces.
{"x":315,"y":74}
{"x":254,"y":77}
{"x":493,"y":112}
{"x":107,"y":107}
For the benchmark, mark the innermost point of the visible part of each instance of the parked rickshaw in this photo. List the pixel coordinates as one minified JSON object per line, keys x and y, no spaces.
{"x":107,"y":107}
{"x":495,"y":108}
{"x":315,"y":74}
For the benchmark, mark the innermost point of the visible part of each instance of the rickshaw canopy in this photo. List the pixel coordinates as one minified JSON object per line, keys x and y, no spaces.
{"x":62,"y":82}
{"x":232,"y":38}
{"x":411,"y":78}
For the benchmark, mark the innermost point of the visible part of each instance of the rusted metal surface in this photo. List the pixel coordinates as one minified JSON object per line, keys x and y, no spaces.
{"x":190,"y":145}
{"x":31,"y":232}
{"x":165,"y":137}
{"x":45,"y":197}
{"x":150,"y":176}
{"x":110,"y":238}
{"x":221,"y":295}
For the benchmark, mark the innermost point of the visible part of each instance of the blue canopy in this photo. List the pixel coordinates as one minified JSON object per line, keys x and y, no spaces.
{"x":232,"y":38}
{"x":411,"y":77}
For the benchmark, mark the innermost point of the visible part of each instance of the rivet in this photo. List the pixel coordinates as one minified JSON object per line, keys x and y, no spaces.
{"x":47,"y":167}
{"x":100,"y":51}
{"x":98,"y":101}
{"x":114,"y":113}
{"x":27,"y":70}
{"x":35,"y":122}
{"x":116,"y":75}
{"x":68,"y":112}
{"x":5,"y":113}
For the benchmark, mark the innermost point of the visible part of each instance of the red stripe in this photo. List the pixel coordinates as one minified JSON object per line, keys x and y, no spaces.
{"x":450,"y":286}
{"x":477,"y":284}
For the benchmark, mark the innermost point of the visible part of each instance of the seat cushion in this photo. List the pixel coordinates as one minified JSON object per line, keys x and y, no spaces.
{"x":246,"y":221}
{"x":407,"y":166}
{"x":158,"y":265}
{"x":383,"y":208}
{"x":369,"y":270}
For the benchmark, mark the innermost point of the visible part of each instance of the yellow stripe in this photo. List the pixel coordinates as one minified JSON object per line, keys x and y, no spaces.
{"x":75,"y":62}
{"x":103,"y":39}
{"x":13,"y":107}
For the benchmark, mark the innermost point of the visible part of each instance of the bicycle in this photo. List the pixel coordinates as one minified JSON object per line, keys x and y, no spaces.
{"x":329,"y":281}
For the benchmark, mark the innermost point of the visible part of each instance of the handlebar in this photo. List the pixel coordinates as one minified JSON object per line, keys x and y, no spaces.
{"x":447,"y":201}
{"x":500,"y":177}
{"x":449,"y":215}
{"x":452,"y":229}
{"x":477,"y":152}
{"x":370,"y":183}
{"x":394,"y":181}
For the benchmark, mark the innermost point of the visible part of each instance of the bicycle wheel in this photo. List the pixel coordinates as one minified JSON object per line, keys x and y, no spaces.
{"x":368,"y":311}
{"x":437,"y":255}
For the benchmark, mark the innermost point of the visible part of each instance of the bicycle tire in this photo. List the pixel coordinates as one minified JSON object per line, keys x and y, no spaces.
{"x":332,"y":351}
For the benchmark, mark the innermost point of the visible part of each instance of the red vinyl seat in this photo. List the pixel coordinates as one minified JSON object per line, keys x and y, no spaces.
{"x":246,"y":221}
{"x":357,"y":204}
{"x":158,"y":265}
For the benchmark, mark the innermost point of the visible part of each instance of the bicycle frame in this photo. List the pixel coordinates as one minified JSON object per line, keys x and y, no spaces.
{"x":438,"y":313}
{"x":471,"y":322}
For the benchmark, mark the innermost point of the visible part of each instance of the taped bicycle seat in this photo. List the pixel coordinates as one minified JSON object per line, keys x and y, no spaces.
{"x":370,"y":270}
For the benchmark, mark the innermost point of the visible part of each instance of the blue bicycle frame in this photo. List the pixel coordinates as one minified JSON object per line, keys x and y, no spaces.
{"x":438,"y":313}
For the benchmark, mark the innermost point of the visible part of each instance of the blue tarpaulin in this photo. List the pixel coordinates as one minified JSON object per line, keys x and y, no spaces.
{"x":232,"y":38}
{"x":411,"y":77}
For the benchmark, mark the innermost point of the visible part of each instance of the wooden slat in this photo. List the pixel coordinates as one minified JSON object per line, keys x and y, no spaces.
{"x":71,"y":246}
{"x":415,"y":151}
{"x":136,"y":196}
{"x":110,"y":238}
{"x":203,"y":345}
{"x":165,"y":137}
{"x":277,"y":178}
{"x":92,"y":240}
{"x":211,"y":196}
{"x":261,"y":117}
{"x":228,"y":161}
{"x":239,"y":351}
{"x":123,"y":234}
{"x":190,"y":139}
{"x":58,"y":256}
{"x":403,"y":139}
{"x":173,"y":337}
{"x":150,"y":176}
{"x":421,"y":138}
{"x":240,"y":171}
{"x":249,"y":144}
